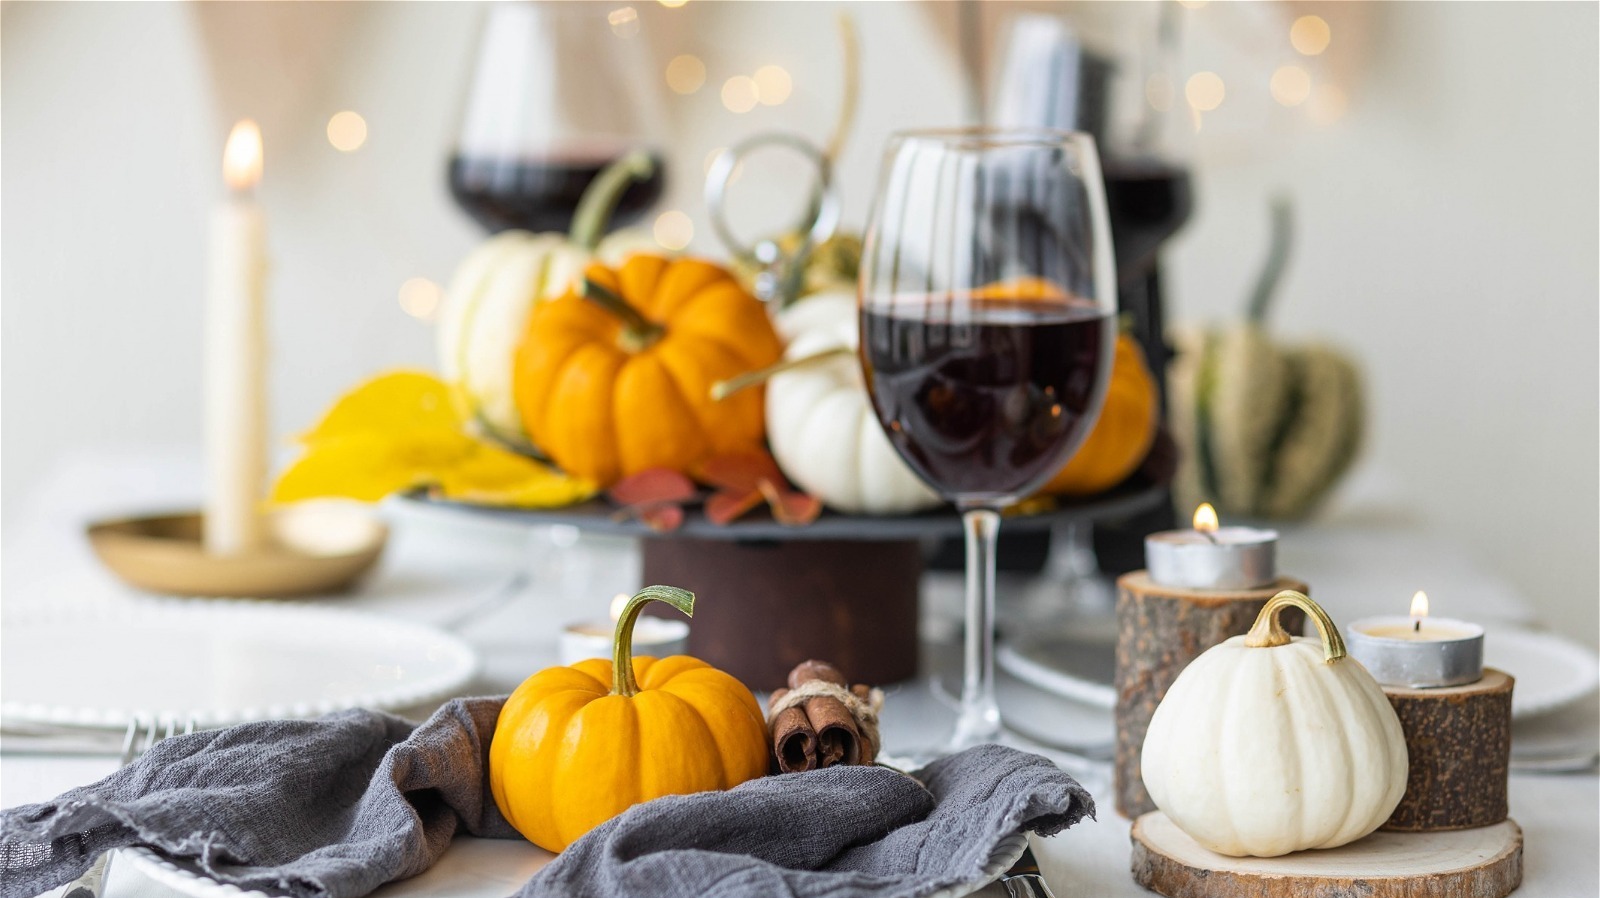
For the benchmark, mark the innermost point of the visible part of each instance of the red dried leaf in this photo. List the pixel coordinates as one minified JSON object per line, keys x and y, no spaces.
{"x":739,"y":472}
{"x":653,"y":486}
{"x":727,"y":506}
{"x":790,"y":507}
{"x":663,"y":517}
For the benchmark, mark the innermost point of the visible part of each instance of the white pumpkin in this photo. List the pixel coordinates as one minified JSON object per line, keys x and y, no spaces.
{"x":1266,"y":745}
{"x":495,"y":287}
{"x":820,"y":423}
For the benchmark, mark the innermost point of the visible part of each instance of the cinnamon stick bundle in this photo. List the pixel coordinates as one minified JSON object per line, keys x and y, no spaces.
{"x":822,"y":721}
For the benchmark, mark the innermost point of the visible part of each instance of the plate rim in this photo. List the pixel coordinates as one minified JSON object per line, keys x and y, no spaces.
{"x":1573,"y":655}
{"x":466,"y":662}
{"x":192,"y":882}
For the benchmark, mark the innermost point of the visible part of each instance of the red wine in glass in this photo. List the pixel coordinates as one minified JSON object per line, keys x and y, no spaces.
{"x":985,"y":399}
{"x":541,"y":194}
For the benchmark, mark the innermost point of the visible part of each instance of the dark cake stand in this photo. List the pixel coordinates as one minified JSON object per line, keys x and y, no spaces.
{"x":843,"y":588}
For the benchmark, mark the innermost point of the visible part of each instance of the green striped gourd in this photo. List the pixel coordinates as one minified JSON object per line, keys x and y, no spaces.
{"x":1268,"y":429}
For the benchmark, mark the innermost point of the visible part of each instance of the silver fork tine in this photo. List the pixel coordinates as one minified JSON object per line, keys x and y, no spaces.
{"x":93,"y":879}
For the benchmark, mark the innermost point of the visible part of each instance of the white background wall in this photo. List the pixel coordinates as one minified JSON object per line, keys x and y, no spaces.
{"x":1448,"y":217}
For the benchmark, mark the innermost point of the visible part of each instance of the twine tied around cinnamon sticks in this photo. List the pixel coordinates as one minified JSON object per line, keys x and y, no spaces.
{"x":822,"y":721}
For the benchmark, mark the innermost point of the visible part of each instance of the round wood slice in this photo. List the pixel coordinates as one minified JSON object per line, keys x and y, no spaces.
{"x":1468,"y":863}
{"x":1160,"y":629}
{"x":1459,"y":742}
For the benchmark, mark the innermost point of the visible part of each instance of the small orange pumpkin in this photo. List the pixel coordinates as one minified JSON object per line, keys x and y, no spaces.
{"x":615,"y":376}
{"x":1123,"y":433}
{"x":576,"y":746}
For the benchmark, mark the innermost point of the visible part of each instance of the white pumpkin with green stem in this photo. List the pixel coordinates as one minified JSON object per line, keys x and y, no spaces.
{"x":820,"y":423}
{"x":1268,"y":744}
{"x":494,"y":288}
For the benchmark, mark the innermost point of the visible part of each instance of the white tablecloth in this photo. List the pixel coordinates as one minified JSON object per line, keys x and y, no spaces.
{"x":1360,"y":562}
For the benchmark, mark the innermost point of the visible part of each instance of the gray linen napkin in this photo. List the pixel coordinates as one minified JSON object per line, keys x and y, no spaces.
{"x":334,"y":808}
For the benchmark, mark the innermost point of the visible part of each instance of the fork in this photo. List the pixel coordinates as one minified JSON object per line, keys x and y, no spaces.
{"x":89,"y":885}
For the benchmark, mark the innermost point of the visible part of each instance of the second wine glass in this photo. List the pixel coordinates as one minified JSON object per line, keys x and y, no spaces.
{"x":988,"y":315}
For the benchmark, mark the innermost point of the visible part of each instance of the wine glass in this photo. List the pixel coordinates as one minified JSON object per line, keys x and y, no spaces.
{"x":988,"y":314}
{"x":558,"y":92}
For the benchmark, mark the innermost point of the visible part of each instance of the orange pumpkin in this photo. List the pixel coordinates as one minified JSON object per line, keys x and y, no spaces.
{"x":1123,"y":433}
{"x":576,"y":746}
{"x":615,"y":376}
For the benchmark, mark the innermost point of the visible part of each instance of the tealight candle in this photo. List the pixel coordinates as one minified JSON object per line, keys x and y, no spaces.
{"x":653,"y":636}
{"x":1417,"y":652}
{"x":1212,"y":557}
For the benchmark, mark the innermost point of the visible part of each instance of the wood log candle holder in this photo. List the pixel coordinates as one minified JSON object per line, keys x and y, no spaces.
{"x":1160,"y":629}
{"x":1459,"y":742}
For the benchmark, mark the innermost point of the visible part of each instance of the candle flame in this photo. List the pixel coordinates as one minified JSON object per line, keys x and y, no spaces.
{"x":241,"y":157}
{"x":1419,"y":604}
{"x":618,"y":602}
{"x":1205,"y":518}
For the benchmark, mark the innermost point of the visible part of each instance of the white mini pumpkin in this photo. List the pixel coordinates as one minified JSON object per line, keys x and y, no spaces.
{"x":495,"y":287}
{"x":820,"y":423}
{"x":1266,"y":745}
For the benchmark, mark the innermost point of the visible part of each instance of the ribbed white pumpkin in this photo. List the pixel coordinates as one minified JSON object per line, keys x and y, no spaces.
{"x":820,"y":423}
{"x":1278,"y":746}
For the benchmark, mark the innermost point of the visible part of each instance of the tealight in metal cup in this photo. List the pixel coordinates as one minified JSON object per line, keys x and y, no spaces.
{"x":1233,"y":558}
{"x":1451,"y":656}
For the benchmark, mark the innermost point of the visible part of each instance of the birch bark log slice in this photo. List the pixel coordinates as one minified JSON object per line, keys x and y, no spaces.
{"x":1469,"y":863}
{"x":1160,"y":629}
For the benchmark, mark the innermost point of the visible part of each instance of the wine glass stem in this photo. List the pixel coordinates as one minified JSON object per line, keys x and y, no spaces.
{"x":980,"y":716}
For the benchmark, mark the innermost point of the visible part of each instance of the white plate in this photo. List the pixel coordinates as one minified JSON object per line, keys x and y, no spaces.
{"x":1080,"y":670}
{"x":219,"y":662}
{"x":1551,"y":672}
{"x":475,"y":868}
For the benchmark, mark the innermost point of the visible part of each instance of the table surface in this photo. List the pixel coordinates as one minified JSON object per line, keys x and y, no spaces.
{"x":451,"y":571}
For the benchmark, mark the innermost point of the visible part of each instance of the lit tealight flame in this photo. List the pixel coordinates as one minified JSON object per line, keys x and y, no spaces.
{"x":1419,"y":605}
{"x":241,"y":157}
{"x":618,"y":602}
{"x":1205,"y":518}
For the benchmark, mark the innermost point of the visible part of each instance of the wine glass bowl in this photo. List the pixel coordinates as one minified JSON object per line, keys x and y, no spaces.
{"x":558,"y":92}
{"x":988,"y":317}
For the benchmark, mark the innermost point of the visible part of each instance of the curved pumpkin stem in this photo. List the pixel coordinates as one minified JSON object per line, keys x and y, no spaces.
{"x":1267,"y":632}
{"x":638,"y":332}
{"x":722,"y":389}
{"x":600,"y":198}
{"x":622,"y":680}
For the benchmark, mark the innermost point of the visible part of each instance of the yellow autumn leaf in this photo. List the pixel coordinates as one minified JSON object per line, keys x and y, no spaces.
{"x":394,"y":403}
{"x":368,"y":466}
{"x":493,"y":476}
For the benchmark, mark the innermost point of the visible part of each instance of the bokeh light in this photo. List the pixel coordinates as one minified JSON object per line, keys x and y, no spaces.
{"x":1310,"y":35}
{"x":740,"y":94}
{"x":347,"y":131}
{"x":673,"y":230}
{"x":420,"y":298}
{"x":773,"y":85}
{"x":1205,"y":91}
{"x":686,"y":74}
{"x":624,"y":21}
{"x":1291,"y":85}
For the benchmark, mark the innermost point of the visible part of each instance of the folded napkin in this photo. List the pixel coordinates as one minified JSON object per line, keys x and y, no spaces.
{"x":339,"y":806}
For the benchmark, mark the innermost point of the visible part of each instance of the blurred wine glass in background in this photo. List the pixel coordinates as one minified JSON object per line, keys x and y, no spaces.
{"x":558,"y":91}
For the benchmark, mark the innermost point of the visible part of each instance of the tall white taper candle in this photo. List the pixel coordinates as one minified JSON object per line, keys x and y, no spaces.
{"x":235,"y":354}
